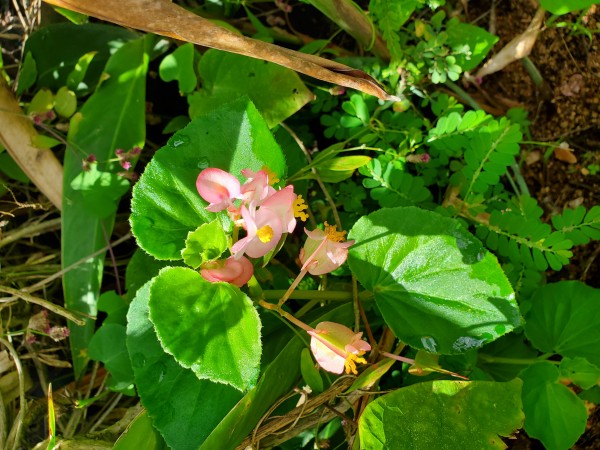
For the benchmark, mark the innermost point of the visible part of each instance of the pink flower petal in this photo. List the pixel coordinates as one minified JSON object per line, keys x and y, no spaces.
{"x":332,"y":344}
{"x":218,"y":188}
{"x":282,"y":203}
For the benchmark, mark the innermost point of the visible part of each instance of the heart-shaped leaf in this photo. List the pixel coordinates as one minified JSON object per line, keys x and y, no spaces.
{"x":276,"y":91}
{"x":449,"y":412}
{"x":436,"y":286}
{"x":565,"y":318}
{"x":183,"y":408}
{"x":211,"y":328}
{"x":553,"y":413}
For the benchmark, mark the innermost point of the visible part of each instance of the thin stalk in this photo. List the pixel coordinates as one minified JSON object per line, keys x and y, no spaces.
{"x":30,"y":231}
{"x":517,"y":361}
{"x":22,"y":403}
{"x":462,"y":94}
{"x":16,"y":293}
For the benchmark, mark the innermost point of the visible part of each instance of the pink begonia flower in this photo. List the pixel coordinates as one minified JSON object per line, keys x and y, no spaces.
{"x":324,"y":251}
{"x":263,"y":231}
{"x":336,"y":347}
{"x":257,"y":188}
{"x":218,"y":188}
{"x":282,"y":204}
{"x":230,"y":270}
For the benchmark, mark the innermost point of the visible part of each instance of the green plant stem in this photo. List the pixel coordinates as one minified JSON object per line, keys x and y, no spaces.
{"x":285,"y":314}
{"x":517,"y":361}
{"x":462,"y":94}
{"x":336,"y":296}
{"x":291,"y":289}
{"x":15,"y":433}
{"x":533,"y":71}
{"x":519,"y":178}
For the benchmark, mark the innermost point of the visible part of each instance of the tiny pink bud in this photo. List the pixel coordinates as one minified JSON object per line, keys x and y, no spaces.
{"x":126,"y":165}
{"x":231,"y":270}
{"x":119,"y":151}
{"x":337,"y":90}
{"x":136,"y":151}
{"x":422,"y":158}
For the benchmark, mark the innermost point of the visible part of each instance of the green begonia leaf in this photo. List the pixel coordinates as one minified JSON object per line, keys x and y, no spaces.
{"x":276,"y":91}
{"x":510,"y":346}
{"x":166,"y":204}
{"x":211,"y":328}
{"x":443,"y":414}
{"x":204,"y":244}
{"x":179,"y":66}
{"x":553,"y":413}
{"x":183,"y":408}
{"x":436,"y":286}
{"x":580,"y":371}
{"x":565,"y":318}
{"x":141,"y":268}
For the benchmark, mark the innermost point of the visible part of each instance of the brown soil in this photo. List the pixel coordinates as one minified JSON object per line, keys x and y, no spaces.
{"x":564,"y":108}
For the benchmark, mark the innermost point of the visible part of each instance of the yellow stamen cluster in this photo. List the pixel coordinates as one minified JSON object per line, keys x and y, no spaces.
{"x":265,"y":234}
{"x":333,"y":235}
{"x":299,"y":207}
{"x":351,"y":360}
{"x":272,"y":176}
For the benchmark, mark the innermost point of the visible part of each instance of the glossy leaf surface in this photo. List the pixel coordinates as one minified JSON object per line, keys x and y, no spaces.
{"x":436,"y":286}
{"x":166,"y":205}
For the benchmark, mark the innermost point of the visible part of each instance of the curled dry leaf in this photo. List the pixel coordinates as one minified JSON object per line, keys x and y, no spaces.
{"x":167,"y":19}
{"x":565,"y":154}
{"x":18,"y":136}
{"x":518,"y":48}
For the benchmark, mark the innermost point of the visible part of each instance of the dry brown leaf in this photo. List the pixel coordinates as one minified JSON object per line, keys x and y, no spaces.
{"x":17,"y":134}
{"x":573,"y":86}
{"x":533,"y":157}
{"x":518,"y":48}
{"x":565,"y":154}
{"x":168,"y":19}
